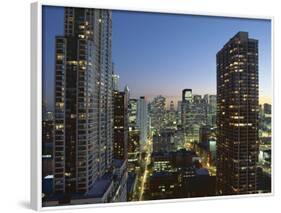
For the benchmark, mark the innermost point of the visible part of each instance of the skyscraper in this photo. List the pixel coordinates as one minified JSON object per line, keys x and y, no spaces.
{"x":83,"y":100}
{"x":157,"y":112}
{"x":237,"y":115}
{"x":134,"y":135}
{"x":142,"y":120}
{"x":120,"y":144}
{"x":193,"y":115}
{"x":178,"y":113}
{"x":172,"y":106}
{"x":115,"y":82}
{"x":187,"y":95}
{"x":210,"y":102}
{"x":197,"y":99}
{"x":132,"y":109}
{"x":186,"y":99}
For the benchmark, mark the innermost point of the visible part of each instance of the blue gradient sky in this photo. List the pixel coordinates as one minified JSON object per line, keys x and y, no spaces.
{"x":164,"y":53}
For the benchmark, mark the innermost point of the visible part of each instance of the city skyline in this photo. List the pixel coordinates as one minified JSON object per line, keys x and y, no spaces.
{"x":131,"y":47}
{"x":115,"y":135}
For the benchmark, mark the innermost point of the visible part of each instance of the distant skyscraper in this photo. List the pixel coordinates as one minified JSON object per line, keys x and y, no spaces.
{"x":197,"y":99}
{"x":178,"y":114}
{"x":157,"y":112}
{"x":120,"y":142}
{"x":186,"y":98}
{"x":213,"y":103}
{"x":193,"y":115}
{"x":83,"y":101}
{"x":185,"y":103}
{"x":187,"y":95}
{"x":204,"y":134}
{"x":172,"y":106}
{"x":142,"y":120}
{"x":210,"y":102}
{"x":134,"y":135}
{"x":206,"y":98}
{"x":170,"y":116}
{"x":115,"y":82}
{"x":133,"y":106}
{"x":237,"y":115}
{"x":179,"y":106}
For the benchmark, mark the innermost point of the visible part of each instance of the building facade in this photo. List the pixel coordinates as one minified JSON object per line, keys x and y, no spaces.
{"x":157,"y":112}
{"x":193,"y":115}
{"x":164,"y":141}
{"x":83,"y":101}
{"x":121,"y":129}
{"x":134,"y":135}
{"x":142,"y":120}
{"x":237,"y":115}
{"x":115,"y":82}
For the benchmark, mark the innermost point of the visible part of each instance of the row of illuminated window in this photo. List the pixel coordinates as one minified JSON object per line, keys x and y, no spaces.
{"x":240,"y":124}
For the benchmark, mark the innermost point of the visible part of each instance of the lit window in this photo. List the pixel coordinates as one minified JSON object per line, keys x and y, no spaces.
{"x":59,"y":126}
{"x":72,"y":62}
{"x":60,"y":57}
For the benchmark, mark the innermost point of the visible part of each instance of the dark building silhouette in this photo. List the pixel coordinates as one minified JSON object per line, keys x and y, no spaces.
{"x":121,"y":133}
{"x":204,"y":133}
{"x":237,"y":115}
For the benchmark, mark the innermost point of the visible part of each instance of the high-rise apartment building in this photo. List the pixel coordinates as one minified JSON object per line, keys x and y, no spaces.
{"x":83,"y":100}
{"x":237,"y":115}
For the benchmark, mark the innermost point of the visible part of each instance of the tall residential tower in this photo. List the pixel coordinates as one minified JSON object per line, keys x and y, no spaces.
{"x":237,"y":115}
{"x":83,"y":100}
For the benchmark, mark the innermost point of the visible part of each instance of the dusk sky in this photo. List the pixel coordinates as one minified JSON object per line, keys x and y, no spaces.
{"x":156,"y":53}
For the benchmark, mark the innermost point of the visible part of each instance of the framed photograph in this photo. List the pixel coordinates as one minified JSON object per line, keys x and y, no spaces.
{"x":134,"y":106}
